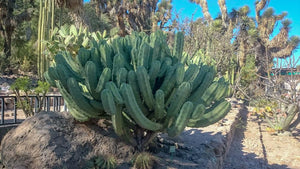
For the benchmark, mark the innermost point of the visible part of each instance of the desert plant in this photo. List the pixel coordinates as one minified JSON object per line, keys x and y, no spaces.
{"x":278,"y":115}
{"x":144,"y":160}
{"x":281,"y":98}
{"x":143,"y":86}
{"x":69,"y":38}
{"x":23,"y":86}
{"x":102,"y":162}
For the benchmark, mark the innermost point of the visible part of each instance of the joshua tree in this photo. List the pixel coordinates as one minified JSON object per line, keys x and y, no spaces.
{"x":281,"y":46}
{"x":137,"y":15}
{"x":76,"y":9}
{"x":251,"y":38}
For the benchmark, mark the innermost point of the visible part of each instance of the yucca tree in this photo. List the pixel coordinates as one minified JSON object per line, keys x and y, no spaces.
{"x":76,"y":10}
{"x":135,"y":15}
{"x":251,"y":37}
{"x":280,"y":46}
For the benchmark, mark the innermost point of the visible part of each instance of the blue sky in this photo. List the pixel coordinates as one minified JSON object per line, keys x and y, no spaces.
{"x":187,"y":9}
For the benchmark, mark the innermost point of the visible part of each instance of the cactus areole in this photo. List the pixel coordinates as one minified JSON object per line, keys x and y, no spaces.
{"x":141,"y":84}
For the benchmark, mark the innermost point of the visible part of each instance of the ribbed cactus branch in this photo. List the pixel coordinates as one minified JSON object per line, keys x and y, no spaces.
{"x":144,"y":88}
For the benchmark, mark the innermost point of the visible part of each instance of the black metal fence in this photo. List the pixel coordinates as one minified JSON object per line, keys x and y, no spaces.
{"x":51,"y":103}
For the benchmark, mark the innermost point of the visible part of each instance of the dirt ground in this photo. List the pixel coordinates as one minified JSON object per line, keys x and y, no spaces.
{"x":255,"y":148}
{"x":252,"y":146}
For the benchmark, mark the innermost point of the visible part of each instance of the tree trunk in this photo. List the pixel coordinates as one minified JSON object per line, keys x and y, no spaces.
{"x":7,"y":28}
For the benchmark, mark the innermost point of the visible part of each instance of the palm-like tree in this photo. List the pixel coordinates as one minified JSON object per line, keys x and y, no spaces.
{"x":135,"y":15}
{"x":76,"y":10}
{"x":252,"y":34}
{"x":280,"y":46}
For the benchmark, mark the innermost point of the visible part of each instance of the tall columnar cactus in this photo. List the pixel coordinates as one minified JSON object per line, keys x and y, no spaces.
{"x":141,"y":85}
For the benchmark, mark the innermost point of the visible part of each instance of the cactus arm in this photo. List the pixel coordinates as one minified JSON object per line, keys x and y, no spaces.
{"x":121,"y":128}
{"x":97,"y":105}
{"x":144,"y":85}
{"x":182,"y":119}
{"x":144,"y":55}
{"x":109,"y":104}
{"x":200,"y":77}
{"x":115,"y":92}
{"x":191,"y":73}
{"x":74,"y":109}
{"x":209,"y":93}
{"x":180,"y":74}
{"x":80,"y":100}
{"x":104,"y":77}
{"x":169,"y":81}
{"x":132,"y":81}
{"x":153,"y":72}
{"x":91,"y":78}
{"x":134,"y":110}
{"x":50,"y":80}
{"x":209,"y":77}
{"x":214,"y":114}
{"x":121,"y":76}
{"x":159,"y":108}
{"x":106,"y":55}
{"x":180,"y":98}
{"x":83,"y":56}
{"x":197,"y":114}
{"x":178,"y":45}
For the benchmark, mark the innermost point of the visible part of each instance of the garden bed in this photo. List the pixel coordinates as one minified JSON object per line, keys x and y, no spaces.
{"x":201,"y":147}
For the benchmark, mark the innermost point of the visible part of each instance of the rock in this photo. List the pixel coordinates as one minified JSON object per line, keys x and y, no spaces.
{"x":9,"y":103}
{"x":55,"y":140}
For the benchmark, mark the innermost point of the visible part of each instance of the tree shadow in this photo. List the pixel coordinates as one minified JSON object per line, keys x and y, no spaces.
{"x":203,"y":149}
{"x":296,"y":134}
{"x":238,"y":159}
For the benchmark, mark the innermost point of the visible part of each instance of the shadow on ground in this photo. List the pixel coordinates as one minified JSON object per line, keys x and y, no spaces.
{"x":238,"y":159}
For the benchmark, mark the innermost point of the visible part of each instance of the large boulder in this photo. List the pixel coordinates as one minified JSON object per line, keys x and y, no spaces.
{"x":55,"y":140}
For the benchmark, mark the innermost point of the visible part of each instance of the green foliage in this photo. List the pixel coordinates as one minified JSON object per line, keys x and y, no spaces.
{"x":102,"y":162}
{"x":141,"y":85}
{"x":144,"y":160}
{"x":278,"y":115}
{"x":43,"y":87}
{"x":21,"y":84}
{"x":23,"y":87}
{"x":95,"y":22}
{"x":248,"y":71}
{"x":69,"y":38}
{"x":23,"y":36}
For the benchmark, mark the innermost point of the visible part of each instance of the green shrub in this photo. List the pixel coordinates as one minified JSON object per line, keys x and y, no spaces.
{"x":23,"y":86}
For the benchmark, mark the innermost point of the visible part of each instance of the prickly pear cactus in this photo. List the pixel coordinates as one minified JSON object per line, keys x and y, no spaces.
{"x":142,"y":85}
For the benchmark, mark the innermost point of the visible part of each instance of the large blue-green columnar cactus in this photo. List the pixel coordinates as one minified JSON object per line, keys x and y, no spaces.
{"x":141,"y":84}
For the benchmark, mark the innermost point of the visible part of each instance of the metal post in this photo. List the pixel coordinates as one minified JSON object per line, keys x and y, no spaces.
{"x":65,"y":106}
{"x":36,"y":104}
{"x":58,"y":103}
{"x":2,"y":110}
{"x":54,"y":103}
{"x":48,"y":103}
{"x":44,"y":104}
{"x":15,"y":109}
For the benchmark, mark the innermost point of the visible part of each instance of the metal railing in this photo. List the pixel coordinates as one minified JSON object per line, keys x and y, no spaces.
{"x":51,"y":103}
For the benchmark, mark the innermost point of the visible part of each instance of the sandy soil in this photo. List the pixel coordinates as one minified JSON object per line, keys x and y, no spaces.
{"x":255,"y":148}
